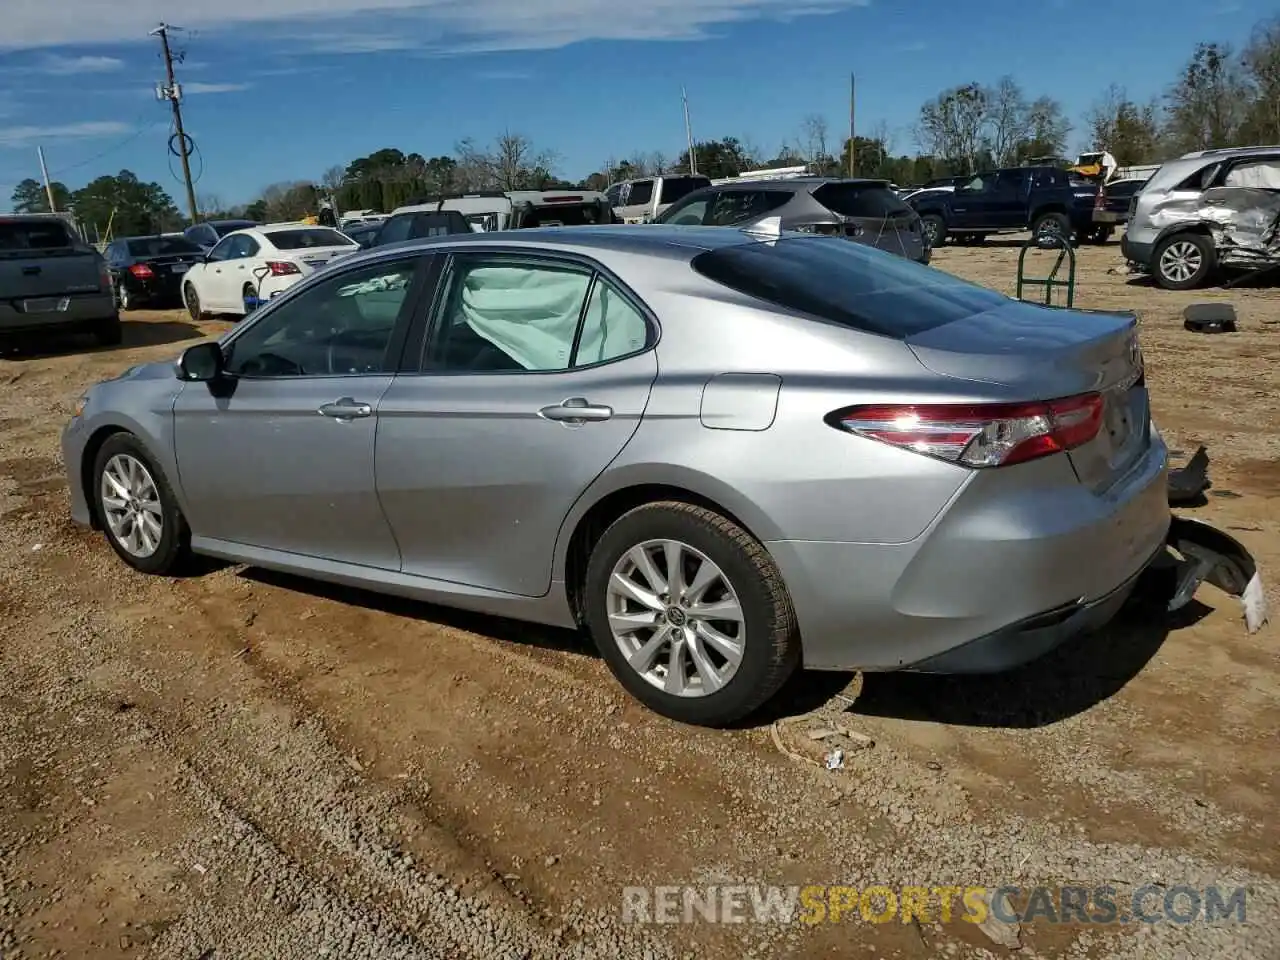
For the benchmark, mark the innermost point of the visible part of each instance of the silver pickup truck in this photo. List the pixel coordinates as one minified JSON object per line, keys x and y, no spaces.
{"x":51,"y":282}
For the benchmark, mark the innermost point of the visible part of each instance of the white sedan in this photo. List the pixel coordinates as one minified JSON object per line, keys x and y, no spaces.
{"x":259,"y":263}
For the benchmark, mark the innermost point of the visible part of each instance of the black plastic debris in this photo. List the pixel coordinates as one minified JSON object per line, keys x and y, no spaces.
{"x":1210,"y":555}
{"x":1188,"y":484}
{"x":1210,"y":318}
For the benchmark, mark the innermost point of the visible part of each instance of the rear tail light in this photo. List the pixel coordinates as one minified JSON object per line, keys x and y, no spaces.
{"x":1100,"y":201}
{"x":282,"y":268}
{"x":141,"y":271}
{"x":979,"y":435}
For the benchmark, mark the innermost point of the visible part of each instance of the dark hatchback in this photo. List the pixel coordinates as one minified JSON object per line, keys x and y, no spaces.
{"x":150,"y":270}
{"x":865,"y":211}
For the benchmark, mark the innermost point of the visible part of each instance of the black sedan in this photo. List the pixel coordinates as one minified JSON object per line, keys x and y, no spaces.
{"x":146,"y":270}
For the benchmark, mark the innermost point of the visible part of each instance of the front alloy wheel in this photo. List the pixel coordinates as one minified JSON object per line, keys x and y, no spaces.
{"x":131,"y":506}
{"x":676,"y":618}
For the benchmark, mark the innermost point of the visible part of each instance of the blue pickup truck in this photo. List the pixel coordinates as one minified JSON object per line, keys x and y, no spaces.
{"x":1044,"y":200}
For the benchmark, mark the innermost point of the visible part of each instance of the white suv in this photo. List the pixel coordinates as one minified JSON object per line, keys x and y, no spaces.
{"x":639,"y":201}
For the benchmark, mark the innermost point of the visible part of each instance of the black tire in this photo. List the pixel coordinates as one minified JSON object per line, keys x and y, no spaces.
{"x":935,"y":229}
{"x":109,"y":332}
{"x":1052,"y":224}
{"x":247,"y":291}
{"x":172,"y":549}
{"x":1099,"y":235}
{"x":771,"y":649}
{"x":1191,"y":246}
{"x":191,"y":300}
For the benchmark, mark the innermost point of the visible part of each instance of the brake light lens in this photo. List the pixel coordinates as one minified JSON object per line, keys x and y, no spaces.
{"x":282,"y":268}
{"x":141,"y":271}
{"x":979,"y":435}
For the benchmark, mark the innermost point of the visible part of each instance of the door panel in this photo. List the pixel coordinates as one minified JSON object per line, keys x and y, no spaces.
{"x":263,"y":467}
{"x":476,"y":483}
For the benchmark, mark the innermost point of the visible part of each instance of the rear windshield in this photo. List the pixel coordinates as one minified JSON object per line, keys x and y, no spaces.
{"x":676,"y":188}
{"x":161,"y":246}
{"x":229,"y":226}
{"x":304,"y":239}
{"x":568,"y":215}
{"x":861,"y":200}
{"x":34,"y":235}
{"x":849,"y":284}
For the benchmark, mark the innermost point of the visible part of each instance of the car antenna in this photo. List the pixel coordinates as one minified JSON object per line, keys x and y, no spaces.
{"x":770,"y":228}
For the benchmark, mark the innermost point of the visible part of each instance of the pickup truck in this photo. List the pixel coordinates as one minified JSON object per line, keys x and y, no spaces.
{"x":1045,"y":200}
{"x":51,"y":282}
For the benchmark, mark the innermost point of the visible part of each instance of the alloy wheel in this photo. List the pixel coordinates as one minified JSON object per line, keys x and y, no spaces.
{"x":1180,"y":261}
{"x":131,"y":505}
{"x":676,"y":618}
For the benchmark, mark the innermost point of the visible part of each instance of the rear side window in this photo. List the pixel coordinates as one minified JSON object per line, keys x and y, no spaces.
{"x":1127,"y":189}
{"x":848,"y":284}
{"x":304,"y":239}
{"x":861,"y":200}
{"x":739,"y":206}
{"x":677,"y":188}
{"x":641,"y":192}
{"x":34,"y":235}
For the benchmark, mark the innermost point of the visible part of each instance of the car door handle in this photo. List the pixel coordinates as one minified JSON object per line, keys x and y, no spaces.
{"x":31,"y":271}
{"x":576,"y":410}
{"x":345,"y":409}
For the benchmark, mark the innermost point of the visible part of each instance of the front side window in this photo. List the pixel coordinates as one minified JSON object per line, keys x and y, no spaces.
{"x":506,"y":314}
{"x":224,"y":250}
{"x":243,"y":246}
{"x":340,"y":327}
{"x":688,"y":212}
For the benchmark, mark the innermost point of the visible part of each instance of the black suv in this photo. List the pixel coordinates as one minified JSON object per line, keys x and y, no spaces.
{"x":865,"y":211}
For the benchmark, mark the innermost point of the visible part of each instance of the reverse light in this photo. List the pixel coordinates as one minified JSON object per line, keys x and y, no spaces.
{"x":141,"y":271}
{"x":282,"y":268}
{"x":979,"y":435}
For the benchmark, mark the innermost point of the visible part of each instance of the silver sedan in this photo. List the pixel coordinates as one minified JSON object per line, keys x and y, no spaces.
{"x":722,"y":456}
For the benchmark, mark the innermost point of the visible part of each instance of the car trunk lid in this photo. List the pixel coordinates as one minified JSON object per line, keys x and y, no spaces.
{"x":317,"y":258}
{"x":1042,"y":353}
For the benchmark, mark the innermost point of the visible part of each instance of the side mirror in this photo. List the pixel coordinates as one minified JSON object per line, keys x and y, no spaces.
{"x":201,"y":363}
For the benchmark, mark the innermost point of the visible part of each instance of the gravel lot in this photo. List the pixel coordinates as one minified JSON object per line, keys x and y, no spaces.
{"x":243,"y":765}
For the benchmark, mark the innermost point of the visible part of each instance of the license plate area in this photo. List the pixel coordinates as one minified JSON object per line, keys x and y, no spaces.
{"x":180,"y":267}
{"x":315,"y":264}
{"x":46,"y":305}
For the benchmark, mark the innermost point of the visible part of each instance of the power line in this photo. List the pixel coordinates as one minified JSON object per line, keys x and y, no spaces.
{"x":111,"y":149}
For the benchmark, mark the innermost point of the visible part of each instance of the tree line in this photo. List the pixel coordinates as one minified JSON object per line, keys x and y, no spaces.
{"x":1221,"y":97}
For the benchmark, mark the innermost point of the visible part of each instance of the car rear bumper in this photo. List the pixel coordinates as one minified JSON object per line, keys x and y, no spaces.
{"x":84,"y":311}
{"x":1021,"y":560}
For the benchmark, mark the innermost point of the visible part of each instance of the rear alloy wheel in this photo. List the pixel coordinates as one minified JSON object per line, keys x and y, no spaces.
{"x":248,"y":293}
{"x":690,"y":613}
{"x":1183,"y":261}
{"x":192,"y":301}
{"x":136,"y":507}
{"x":1049,"y":228}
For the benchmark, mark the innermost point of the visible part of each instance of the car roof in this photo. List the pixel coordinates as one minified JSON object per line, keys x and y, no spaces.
{"x":654,"y":240}
{"x":811,"y":182}
{"x":1174,"y":171}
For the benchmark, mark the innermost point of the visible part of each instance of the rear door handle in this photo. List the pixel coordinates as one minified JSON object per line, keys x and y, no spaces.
{"x":346,"y":409}
{"x":31,"y":271}
{"x":576,"y":410}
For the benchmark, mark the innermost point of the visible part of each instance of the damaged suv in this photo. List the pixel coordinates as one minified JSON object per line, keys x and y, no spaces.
{"x":1205,"y":211}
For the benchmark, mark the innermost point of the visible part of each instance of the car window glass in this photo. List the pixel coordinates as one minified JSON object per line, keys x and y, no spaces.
{"x":223,"y":250}
{"x":340,"y":327}
{"x":502,"y":314}
{"x":1261,"y":174}
{"x":687,"y":212}
{"x":396,"y":229}
{"x":1009,"y":180}
{"x":641,"y":192}
{"x":738,"y":206}
{"x":614,"y":194}
{"x":612,"y":327}
{"x":861,"y":200}
{"x":676,"y":188}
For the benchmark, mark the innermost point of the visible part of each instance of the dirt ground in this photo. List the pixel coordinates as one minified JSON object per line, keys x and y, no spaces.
{"x":243,"y":765}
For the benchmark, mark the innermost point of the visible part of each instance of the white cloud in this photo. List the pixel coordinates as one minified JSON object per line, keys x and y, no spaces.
{"x":68,"y":66}
{"x":196,"y":88}
{"x":442,"y":25}
{"x":497,"y":75}
{"x":31,"y":135}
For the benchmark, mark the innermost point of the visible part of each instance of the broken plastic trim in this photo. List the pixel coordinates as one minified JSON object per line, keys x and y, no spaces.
{"x":1218,"y":558}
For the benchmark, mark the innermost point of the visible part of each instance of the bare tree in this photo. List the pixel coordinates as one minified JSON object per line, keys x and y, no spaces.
{"x":209,"y":204}
{"x":1261,"y":63}
{"x":1209,"y":103}
{"x":952,"y":125}
{"x":1007,"y":120}
{"x":475,"y":169}
{"x":813,"y":142}
{"x":882,"y":132}
{"x":333,"y":178}
{"x":289,"y":200}
{"x":514,"y":164}
{"x":1124,"y":129}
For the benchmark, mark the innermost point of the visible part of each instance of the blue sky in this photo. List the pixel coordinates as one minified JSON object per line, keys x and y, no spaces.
{"x":284,"y":89}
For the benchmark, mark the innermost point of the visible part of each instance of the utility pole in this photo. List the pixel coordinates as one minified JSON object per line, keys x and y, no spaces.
{"x":853,"y":100}
{"x":48,"y":187}
{"x":172,"y":92}
{"x":688,"y":132}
